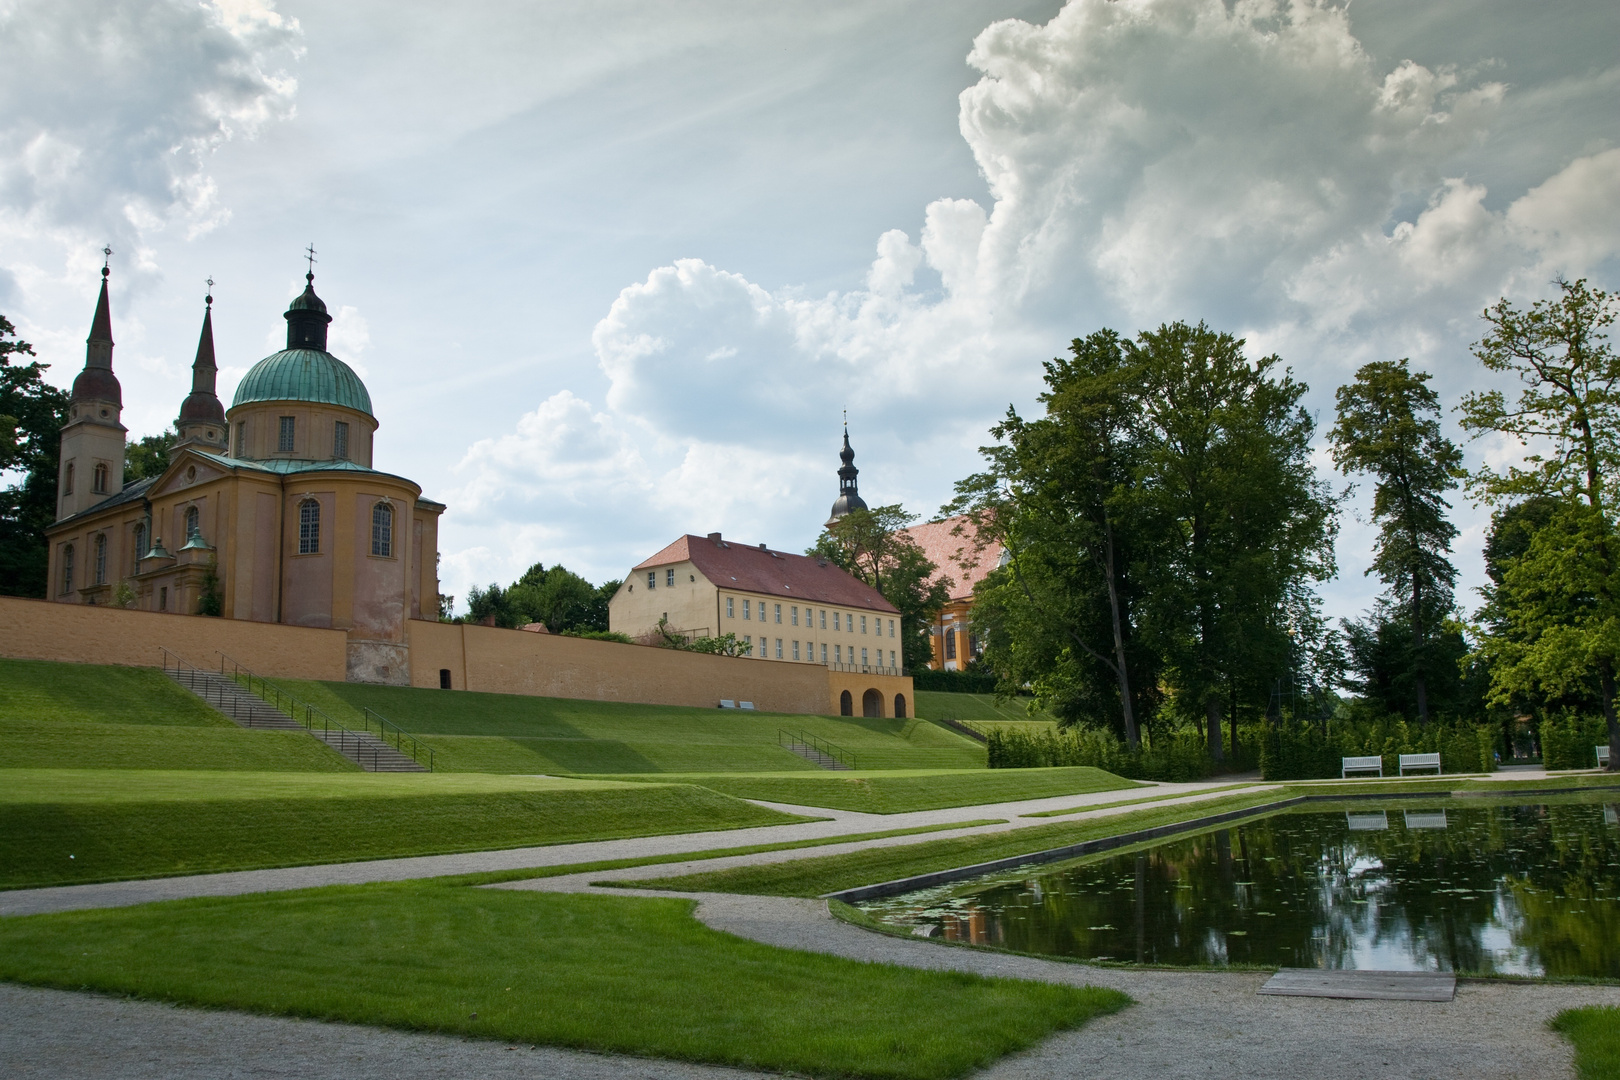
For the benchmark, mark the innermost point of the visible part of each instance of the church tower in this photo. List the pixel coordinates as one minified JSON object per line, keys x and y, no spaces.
{"x":92,"y":456}
{"x":848,"y":497}
{"x":202,"y":417}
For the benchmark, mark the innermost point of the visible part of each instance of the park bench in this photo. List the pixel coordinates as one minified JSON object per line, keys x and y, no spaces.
{"x":727,"y":703}
{"x":1371,"y":763}
{"x":1420,"y":761}
{"x":1602,"y":756}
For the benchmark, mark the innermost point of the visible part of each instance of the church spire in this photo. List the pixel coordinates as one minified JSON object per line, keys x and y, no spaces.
{"x":202,"y":417}
{"x":97,"y":383}
{"x":849,"y":498}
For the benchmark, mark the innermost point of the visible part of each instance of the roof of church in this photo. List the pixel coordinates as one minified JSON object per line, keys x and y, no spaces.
{"x":774,"y":573}
{"x":954,"y":555}
{"x":131,"y":492}
{"x":303,"y":375}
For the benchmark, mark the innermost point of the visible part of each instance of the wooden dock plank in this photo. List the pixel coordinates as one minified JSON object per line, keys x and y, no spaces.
{"x":1375,"y":985}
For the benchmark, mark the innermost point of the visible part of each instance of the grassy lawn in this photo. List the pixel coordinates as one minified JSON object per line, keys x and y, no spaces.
{"x":66,"y":826}
{"x":939,"y":705}
{"x":40,"y":690}
{"x":830,"y":873}
{"x":513,"y":733}
{"x":1596,"y":1035}
{"x":634,"y":976}
{"x":901,"y":791}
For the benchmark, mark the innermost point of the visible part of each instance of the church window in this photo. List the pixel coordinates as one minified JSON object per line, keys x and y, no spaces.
{"x":309,"y":527}
{"x":382,"y":530}
{"x":193,"y":524}
{"x":950,"y":644}
{"x":67,"y":569}
{"x":731,"y":608}
{"x":98,"y":478}
{"x":778,"y":612}
{"x":101,"y":559}
{"x":140,"y":545}
{"x":779,"y":648}
{"x":669,"y":577}
{"x":652,"y":579}
{"x":795,"y":650}
{"x":241,"y":439}
{"x":67,"y":480}
{"x":284,"y":441}
{"x":340,"y":440}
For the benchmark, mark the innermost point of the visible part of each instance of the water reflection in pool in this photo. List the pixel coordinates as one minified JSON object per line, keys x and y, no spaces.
{"x":1521,"y":889}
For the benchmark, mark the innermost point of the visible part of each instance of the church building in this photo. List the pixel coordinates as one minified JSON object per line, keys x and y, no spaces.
{"x":270,"y":511}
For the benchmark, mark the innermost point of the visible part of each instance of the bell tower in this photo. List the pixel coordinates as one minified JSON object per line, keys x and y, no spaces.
{"x":92,"y":456}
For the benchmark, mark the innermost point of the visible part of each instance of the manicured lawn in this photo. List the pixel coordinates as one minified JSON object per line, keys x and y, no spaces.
{"x":936,"y":705}
{"x":39,"y":690}
{"x":68,"y":744}
{"x":831,"y":873}
{"x":64,"y":826}
{"x":896,"y":792}
{"x":513,"y":733}
{"x":598,"y":973}
{"x":1596,"y":1035}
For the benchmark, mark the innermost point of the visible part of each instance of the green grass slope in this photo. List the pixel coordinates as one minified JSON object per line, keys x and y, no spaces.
{"x":938,"y":705}
{"x":71,"y":826}
{"x":90,"y":716}
{"x":512,"y":733}
{"x":902,"y":791}
{"x":608,"y":974}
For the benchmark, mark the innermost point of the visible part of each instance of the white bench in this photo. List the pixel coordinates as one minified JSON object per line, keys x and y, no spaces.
{"x":727,"y":703}
{"x":1602,"y":756}
{"x":1420,"y":761}
{"x":749,"y":705}
{"x":1372,"y":763}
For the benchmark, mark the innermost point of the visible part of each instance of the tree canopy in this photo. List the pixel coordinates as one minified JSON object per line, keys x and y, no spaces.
{"x":32,"y":413}
{"x":872,"y":545}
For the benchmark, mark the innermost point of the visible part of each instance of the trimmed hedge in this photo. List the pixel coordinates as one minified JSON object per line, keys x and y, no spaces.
{"x":1298,"y":751}
{"x":1567,"y":741}
{"x":954,"y":682}
{"x":1172,"y":759}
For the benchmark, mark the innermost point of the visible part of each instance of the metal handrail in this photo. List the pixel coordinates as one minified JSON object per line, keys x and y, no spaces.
{"x":292,"y":705}
{"x":957,"y":725}
{"x":795,"y":740}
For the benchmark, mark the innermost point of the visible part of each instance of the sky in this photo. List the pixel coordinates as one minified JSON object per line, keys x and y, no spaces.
{"x":614,"y":271}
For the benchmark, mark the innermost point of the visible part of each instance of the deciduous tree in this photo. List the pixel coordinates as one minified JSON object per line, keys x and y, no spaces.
{"x":874,"y":546}
{"x":32,"y":413}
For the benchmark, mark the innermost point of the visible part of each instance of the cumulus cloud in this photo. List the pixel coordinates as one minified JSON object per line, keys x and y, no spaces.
{"x":111,"y":109}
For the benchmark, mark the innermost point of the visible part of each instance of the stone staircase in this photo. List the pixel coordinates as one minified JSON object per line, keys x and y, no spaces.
{"x":235,"y":702}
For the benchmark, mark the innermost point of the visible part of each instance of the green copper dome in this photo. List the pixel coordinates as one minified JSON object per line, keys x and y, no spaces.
{"x":303,"y":375}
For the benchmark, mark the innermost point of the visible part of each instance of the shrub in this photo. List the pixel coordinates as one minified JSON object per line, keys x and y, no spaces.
{"x":1567,"y":741}
{"x":1303,"y":751}
{"x":954,"y":682}
{"x":1172,"y":758}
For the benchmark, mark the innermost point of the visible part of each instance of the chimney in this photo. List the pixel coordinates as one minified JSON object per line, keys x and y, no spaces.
{"x":714,"y":537}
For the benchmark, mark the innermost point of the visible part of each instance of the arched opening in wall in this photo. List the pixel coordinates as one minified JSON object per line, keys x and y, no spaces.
{"x":872,"y":703}
{"x":444,"y":678}
{"x":99,"y":479}
{"x":846,"y":703}
{"x":899,"y":706}
{"x":382,"y":530}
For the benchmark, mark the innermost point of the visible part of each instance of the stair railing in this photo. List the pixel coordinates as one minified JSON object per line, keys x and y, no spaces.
{"x":957,"y":725}
{"x":315,"y":718}
{"x":798,"y":741}
{"x":201,"y":682}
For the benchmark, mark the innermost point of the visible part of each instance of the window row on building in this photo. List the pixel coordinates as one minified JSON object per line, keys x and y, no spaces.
{"x":287,"y":438}
{"x":805,"y":651}
{"x":842,"y":621}
{"x":382,"y":528}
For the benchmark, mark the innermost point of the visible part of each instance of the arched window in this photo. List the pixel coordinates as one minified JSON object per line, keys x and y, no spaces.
{"x":101,"y":559}
{"x":309,"y":527}
{"x":193,"y":523}
{"x":67,"y":568}
{"x":846,"y":704}
{"x":140,"y":545}
{"x":382,"y":530}
{"x":950,"y":644}
{"x":67,"y":480}
{"x":98,"y":478}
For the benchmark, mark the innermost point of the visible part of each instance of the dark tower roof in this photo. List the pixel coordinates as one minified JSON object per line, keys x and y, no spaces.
{"x":307,"y":319}
{"x":848,"y":497}
{"x":202,"y":405}
{"x":97,"y":381}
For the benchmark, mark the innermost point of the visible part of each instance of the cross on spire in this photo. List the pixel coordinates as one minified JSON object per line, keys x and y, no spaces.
{"x":309,"y":253}
{"x":209,"y":299}
{"x":106,"y":258}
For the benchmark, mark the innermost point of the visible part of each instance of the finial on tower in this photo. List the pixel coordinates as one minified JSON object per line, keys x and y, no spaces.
{"x":309,"y":253}
{"x":106,"y":259}
{"x":209,"y":299}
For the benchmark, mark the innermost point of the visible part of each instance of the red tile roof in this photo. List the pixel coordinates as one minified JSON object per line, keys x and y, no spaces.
{"x":773,"y":573}
{"x":955,"y":555}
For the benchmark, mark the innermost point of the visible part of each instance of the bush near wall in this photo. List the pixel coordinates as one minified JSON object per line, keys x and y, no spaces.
{"x":1175,"y":759}
{"x":1567,"y":741}
{"x":1302,"y":751}
{"x":954,"y":682}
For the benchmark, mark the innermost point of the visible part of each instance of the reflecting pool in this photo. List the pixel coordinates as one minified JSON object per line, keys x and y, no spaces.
{"x":1464,"y":885}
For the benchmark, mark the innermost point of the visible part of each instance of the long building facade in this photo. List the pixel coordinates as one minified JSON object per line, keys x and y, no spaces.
{"x":270,"y":511}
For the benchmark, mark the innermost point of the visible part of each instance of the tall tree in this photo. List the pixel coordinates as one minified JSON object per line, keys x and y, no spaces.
{"x":873,"y":545}
{"x":148,"y":455}
{"x":32,"y":413}
{"x":1562,"y":596}
{"x":1226,"y":486}
{"x":1389,"y":425}
{"x":1055,"y":496}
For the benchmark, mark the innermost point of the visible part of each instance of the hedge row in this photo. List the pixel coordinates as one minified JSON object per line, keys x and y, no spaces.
{"x":1172,"y":759}
{"x":1299,"y":751}
{"x":954,"y":682}
{"x":1567,"y":742}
